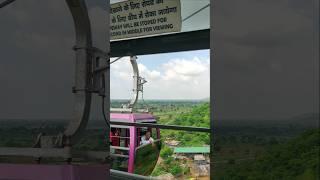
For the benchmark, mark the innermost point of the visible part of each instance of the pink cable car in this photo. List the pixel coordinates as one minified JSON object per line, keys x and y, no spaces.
{"x":129,"y":153}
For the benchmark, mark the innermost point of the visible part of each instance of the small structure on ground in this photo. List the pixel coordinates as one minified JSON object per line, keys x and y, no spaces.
{"x":172,"y":143}
{"x":191,"y":151}
{"x":166,"y":177}
{"x":199,"y":157}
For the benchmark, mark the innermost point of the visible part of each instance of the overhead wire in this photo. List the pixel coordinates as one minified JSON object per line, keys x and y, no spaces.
{"x":6,"y":2}
{"x":115,"y":60}
{"x":143,"y":102}
{"x":196,"y":12}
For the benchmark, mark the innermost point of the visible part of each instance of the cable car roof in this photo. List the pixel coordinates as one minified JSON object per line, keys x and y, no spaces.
{"x":136,"y":117}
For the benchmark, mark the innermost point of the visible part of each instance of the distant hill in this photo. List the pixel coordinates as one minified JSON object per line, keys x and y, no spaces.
{"x":307,"y":118}
{"x":207,"y":99}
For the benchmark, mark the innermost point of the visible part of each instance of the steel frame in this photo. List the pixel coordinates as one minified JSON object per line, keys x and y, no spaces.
{"x":161,"y":126}
{"x":88,"y":80}
{"x":174,"y":42}
{"x":120,"y":175}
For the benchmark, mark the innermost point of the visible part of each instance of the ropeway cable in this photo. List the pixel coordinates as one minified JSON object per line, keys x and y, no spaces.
{"x":195,"y":12}
{"x":115,"y":60}
{"x":6,"y":2}
{"x":143,"y":102}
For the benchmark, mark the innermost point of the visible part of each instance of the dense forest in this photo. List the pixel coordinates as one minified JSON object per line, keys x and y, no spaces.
{"x":198,"y":116}
{"x":295,"y":159}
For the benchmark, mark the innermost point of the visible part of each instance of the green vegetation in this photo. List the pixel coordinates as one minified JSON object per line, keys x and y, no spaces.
{"x":295,"y":159}
{"x":166,"y":152}
{"x":169,"y":164}
{"x":198,"y":116}
{"x":243,"y":149}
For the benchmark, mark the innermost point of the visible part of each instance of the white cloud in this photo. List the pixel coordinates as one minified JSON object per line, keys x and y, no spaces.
{"x":187,"y":67}
{"x":175,"y":79}
{"x":184,"y":70}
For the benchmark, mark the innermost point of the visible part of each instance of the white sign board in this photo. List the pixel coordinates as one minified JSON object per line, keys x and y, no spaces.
{"x":135,"y":18}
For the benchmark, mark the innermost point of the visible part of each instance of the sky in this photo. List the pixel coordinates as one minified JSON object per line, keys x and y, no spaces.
{"x":263,"y":64}
{"x":184,"y":75}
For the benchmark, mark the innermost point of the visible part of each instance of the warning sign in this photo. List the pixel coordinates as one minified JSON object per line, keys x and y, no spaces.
{"x":135,"y":18}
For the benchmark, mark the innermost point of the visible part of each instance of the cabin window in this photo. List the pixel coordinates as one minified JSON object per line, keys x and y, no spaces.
{"x":119,"y":140}
{"x":142,"y":131}
{"x":119,"y":147}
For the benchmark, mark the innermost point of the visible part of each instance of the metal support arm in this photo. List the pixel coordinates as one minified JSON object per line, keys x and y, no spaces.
{"x":137,"y":84}
{"x":91,"y":65}
{"x":90,"y":70}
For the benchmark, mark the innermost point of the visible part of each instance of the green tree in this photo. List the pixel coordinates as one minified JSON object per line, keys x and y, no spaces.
{"x":166,"y":152}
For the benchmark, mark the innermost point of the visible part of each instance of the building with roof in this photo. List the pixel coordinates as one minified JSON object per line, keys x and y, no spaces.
{"x":197,"y":154}
{"x":199,"y":157}
{"x":192,"y":150}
